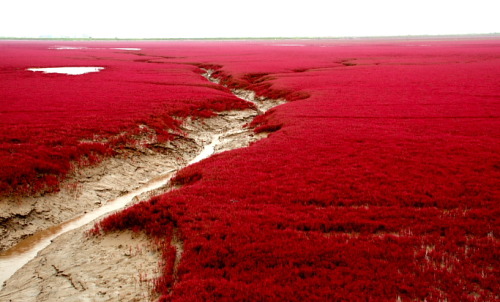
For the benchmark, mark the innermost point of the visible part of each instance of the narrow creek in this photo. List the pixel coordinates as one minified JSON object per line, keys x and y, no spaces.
{"x":16,"y":257}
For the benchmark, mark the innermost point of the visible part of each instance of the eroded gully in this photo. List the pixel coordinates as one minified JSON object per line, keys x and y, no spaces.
{"x":226,"y":132}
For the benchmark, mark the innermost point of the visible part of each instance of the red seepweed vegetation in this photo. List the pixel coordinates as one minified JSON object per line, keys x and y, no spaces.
{"x":379,"y":180}
{"x":53,"y":123}
{"x":382,"y":184}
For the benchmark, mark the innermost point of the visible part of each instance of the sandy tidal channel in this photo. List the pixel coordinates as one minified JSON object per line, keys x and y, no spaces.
{"x":16,"y":257}
{"x":61,"y":263}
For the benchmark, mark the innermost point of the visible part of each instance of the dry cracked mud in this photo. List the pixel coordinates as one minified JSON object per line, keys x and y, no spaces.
{"x":118,"y":266}
{"x":113,"y":267}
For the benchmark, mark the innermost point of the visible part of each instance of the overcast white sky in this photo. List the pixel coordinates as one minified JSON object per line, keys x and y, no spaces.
{"x":255,"y":18}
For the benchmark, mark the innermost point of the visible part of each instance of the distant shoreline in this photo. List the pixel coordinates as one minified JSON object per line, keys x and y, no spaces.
{"x":408,"y":37}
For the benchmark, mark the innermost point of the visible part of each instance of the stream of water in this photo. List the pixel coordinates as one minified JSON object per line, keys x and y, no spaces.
{"x":16,"y":257}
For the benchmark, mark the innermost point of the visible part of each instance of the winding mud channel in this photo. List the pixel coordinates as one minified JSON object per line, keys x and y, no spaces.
{"x":16,"y":257}
{"x":61,"y":263}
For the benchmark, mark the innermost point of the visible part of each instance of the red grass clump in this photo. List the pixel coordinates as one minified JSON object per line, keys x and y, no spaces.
{"x":382,"y":184}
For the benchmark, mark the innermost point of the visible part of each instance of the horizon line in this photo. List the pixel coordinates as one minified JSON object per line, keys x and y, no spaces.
{"x":494,"y":34}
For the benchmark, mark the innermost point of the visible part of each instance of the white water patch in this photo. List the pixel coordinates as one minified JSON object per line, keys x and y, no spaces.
{"x":16,"y":257}
{"x":68,"y":70}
